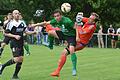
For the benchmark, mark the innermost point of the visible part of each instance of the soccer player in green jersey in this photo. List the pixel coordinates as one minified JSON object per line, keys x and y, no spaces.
{"x":66,"y":32}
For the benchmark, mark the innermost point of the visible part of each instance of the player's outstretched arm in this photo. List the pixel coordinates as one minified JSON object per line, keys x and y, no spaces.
{"x":40,"y":24}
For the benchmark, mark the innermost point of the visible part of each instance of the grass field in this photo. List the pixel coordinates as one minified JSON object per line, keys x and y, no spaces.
{"x":93,"y":64}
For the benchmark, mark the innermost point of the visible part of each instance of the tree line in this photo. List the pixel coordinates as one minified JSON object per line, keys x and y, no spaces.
{"x":109,"y":10}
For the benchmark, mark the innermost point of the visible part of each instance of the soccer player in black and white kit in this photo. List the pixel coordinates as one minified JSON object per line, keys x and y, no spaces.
{"x":15,"y":30}
{"x":6,"y":39}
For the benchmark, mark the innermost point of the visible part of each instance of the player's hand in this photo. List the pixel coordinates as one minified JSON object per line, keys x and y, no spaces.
{"x":24,"y":34}
{"x":17,"y":37}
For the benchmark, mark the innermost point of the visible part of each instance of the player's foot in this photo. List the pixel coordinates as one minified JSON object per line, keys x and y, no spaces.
{"x":15,"y":77}
{"x":55,"y":73}
{"x":74,"y":72}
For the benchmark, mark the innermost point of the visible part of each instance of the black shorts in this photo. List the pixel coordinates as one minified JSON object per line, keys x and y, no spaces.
{"x":6,"y":40}
{"x":17,"y":50}
{"x":71,"y":40}
{"x":61,"y":35}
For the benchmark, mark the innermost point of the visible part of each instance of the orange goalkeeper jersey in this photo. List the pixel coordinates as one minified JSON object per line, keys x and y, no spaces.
{"x":85,"y":33}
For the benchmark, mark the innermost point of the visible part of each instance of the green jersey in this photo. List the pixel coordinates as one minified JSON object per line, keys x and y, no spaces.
{"x":66,"y":26}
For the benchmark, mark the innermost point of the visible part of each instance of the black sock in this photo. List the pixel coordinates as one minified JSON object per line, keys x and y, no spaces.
{"x":1,"y":50}
{"x":10,"y":62}
{"x":17,"y":69}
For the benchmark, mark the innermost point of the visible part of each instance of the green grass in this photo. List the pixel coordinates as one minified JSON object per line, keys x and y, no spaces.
{"x":1,"y":36}
{"x":93,"y":64}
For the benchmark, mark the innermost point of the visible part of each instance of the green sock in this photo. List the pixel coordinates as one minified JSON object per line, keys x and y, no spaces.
{"x":51,"y":39}
{"x":27,"y":48}
{"x":74,"y":60}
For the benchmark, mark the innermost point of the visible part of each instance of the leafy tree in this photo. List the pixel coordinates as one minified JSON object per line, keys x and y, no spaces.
{"x":109,"y":10}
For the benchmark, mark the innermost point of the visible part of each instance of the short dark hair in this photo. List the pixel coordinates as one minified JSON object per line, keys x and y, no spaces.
{"x":57,"y":11}
{"x":97,"y":16}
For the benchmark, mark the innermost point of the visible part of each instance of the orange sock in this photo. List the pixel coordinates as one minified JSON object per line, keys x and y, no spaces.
{"x":61,"y":62}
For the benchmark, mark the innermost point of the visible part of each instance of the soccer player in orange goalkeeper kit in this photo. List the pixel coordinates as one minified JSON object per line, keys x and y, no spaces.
{"x":83,"y":36}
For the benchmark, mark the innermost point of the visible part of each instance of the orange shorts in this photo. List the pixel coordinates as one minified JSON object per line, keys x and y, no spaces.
{"x":79,"y":46}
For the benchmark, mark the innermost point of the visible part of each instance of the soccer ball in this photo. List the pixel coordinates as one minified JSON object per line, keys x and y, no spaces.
{"x":65,"y":7}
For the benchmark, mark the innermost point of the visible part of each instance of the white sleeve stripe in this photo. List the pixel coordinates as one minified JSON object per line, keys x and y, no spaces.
{"x":9,"y":26}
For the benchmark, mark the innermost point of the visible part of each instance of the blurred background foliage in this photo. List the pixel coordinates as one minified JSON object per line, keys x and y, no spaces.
{"x":109,"y":10}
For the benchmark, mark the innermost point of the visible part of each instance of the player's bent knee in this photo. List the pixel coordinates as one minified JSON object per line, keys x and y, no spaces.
{"x":68,"y":52}
{"x":18,"y":59}
{"x":72,"y":51}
